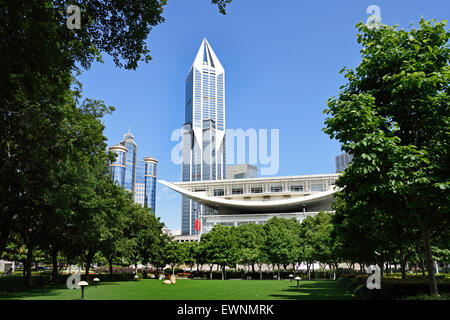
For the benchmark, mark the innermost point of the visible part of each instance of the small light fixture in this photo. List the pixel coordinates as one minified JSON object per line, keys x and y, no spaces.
{"x":298,"y":281}
{"x":96,"y":280}
{"x":82,"y":284}
{"x":291,"y":276}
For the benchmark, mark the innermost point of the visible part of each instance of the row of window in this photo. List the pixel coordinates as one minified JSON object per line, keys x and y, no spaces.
{"x":274,"y":189}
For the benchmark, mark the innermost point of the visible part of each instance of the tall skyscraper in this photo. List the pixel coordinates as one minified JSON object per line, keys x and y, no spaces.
{"x":204,"y":130}
{"x":136,"y":176}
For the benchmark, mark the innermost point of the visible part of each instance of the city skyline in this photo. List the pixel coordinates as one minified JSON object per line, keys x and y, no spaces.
{"x":302,"y":57}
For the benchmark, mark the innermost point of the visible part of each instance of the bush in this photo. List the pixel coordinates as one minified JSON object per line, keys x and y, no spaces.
{"x":15,"y":283}
{"x":391,"y":288}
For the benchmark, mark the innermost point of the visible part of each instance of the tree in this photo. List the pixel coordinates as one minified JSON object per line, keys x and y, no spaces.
{"x":174,"y":254}
{"x":220,"y":247}
{"x":189,"y":249}
{"x":249,"y":238}
{"x":143,"y":235}
{"x":393,"y":117}
{"x":279,"y":242}
{"x":39,"y":57}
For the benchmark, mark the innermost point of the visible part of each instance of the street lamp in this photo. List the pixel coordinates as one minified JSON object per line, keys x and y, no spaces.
{"x":82,"y":284}
{"x":298,"y":281}
{"x":290,"y":278}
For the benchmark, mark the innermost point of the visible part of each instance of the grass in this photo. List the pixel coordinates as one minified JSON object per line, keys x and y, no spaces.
{"x":149,"y":289}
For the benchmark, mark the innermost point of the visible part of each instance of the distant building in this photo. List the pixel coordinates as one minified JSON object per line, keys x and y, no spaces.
{"x":6,"y":266}
{"x":136,"y":176}
{"x":187,"y":238}
{"x":242,"y":171}
{"x":342,"y":161}
{"x":172,"y":233}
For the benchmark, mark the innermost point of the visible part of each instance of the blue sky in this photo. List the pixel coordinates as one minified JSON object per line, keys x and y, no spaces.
{"x":282,"y":62}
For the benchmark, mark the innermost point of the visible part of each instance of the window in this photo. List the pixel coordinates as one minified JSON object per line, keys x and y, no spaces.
{"x":237,"y":191}
{"x":219,"y":192}
{"x":297,"y":188}
{"x":316,"y":187}
{"x":256,"y":190}
{"x":276,"y":189}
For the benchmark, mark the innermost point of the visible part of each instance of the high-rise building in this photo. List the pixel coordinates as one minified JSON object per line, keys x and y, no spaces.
{"x":203,"y":131}
{"x":131,"y":161}
{"x":136,"y":176}
{"x":342,"y":161}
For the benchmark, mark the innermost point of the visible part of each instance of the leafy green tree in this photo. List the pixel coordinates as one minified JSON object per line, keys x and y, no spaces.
{"x":143,"y":235}
{"x":174,"y":254}
{"x":279,"y":242}
{"x":220,"y":247}
{"x":249,"y":238}
{"x":190,"y":249}
{"x":393,"y":117}
{"x":39,"y":56}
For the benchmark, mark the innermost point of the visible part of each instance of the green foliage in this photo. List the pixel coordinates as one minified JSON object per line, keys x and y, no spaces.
{"x":393,"y":117}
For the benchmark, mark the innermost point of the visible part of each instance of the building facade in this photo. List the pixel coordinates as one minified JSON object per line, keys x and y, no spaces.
{"x":342,"y":161}
{"x":136,"y":176}
{"x":233,"y":202}
{"x":203,"y":150}
{"x":242,"y":171}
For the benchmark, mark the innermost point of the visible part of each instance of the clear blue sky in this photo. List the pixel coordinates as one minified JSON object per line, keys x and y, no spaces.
{"x":282,"y":62}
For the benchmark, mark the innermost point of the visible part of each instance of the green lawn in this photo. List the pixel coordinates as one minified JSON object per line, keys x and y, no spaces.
{"x":147,"y":289}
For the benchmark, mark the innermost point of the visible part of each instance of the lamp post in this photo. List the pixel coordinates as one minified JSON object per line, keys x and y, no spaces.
{"x":96,"y":280}
{"x":298,"y":281}
{"x":82,"y":284}
{"x":290,"y":278}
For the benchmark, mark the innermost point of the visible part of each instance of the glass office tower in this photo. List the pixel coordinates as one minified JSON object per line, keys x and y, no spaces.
{"x":150,"y":182}
{"x":118,"y":167}
{"x":131,"y":162}
{"x":136,"y":176}
{"x":204,"y":129}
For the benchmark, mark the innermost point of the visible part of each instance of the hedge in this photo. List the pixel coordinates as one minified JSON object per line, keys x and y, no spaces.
{"x":391,"y":288}
{"x":14,"y":283}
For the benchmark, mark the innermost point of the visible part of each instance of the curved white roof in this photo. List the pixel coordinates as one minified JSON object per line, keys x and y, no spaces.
{"x":282,"y":205}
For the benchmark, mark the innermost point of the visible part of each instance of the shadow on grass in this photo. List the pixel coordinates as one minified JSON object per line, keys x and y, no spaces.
{"x":313,"y":290}
{"x":47,"y":291}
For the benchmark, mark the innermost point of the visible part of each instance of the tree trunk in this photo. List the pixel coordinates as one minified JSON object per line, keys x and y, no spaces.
{"x":210,"y":271}
{"x":89,"y":258}
{"x":430,"y":262}
{"x":110,"y":263}
{"x":223,"y":272}
{"x":403,"y":267}
{"x":278,"y":272}
{"x":54,"y":254}
{"x":308,"y":269}
{"x":27,"y":267}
